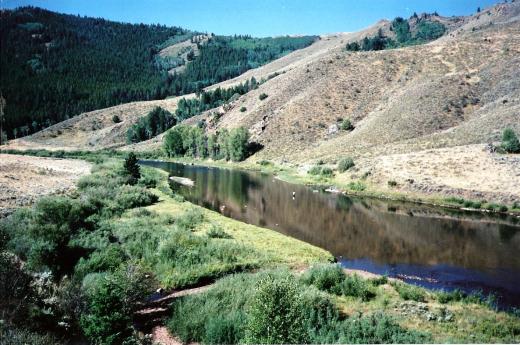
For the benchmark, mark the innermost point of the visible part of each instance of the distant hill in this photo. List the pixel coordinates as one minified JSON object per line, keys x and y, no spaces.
{"x":55,"y":66}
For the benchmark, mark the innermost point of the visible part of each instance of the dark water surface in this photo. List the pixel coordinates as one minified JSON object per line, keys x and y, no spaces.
{"x":429,"y":246}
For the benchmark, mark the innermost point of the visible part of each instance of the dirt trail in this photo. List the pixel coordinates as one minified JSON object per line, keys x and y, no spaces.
{"x":152,"y":316}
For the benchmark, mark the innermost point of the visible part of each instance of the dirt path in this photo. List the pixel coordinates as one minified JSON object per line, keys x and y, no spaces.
{"x":153,"y":315}
{"x":24,"y":179}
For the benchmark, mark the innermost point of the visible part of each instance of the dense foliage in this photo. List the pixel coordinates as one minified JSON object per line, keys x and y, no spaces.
{"x":55,"y":66}
{"x":510,"y":142}
{"x":278,"y":308}
{"x":206,"y":100}
{"x":193,"y":142}
{"x":425,"y":31}
{"x":223,"y":57}
{"x":156,"y":122}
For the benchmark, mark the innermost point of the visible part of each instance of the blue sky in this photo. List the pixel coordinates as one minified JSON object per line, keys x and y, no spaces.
{"x":256,"y":17}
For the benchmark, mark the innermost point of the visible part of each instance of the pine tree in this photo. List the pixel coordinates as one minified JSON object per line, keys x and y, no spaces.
{"x":132,"y":168}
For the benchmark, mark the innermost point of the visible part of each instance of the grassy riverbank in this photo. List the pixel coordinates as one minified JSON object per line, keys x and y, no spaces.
{"x":294,"y":174}
{"x":361,"y":187}
{"x":82,"y":265}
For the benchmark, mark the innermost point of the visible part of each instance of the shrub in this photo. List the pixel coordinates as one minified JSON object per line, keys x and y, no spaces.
{"x":345,"y":164}
{"x":190,"y":219}
{"x":262,"y":96}
{"x":378,"y":329}
{"x":451,"y":296}
{"x":315,"y":170}
{"x":356,"y":186}
{"x":455,"y":200}
{"x":409,"y":292}
{"x":243,"y":109}
{"x":264,"y":162}
{"x":107,"y":259}
{"x":325,"y":277}
{"x":510,"y":142}
{"x":276,"y":313}
{"x":354,"y":286}
{"x":379,"y":280}
{"x":472,"y":204}
{"x":217,"y":232}
{"x":116,"y":119}
{"x":346,"y":125}
{"x":327,"y":172}
{"x":392,"y":183}
{"x":112,"y":300}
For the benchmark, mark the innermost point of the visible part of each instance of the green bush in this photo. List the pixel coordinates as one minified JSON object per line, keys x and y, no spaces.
{"x":190,"y":219}
{"x":217,"y":232}
{"x":273,"y":307}
{"x":378,"y":329}
{"x":262,"y":96}
{"x":116,"y":119}
{"x":476,"y":205}
{"x":379,"y":280}
{"x":107,"y":259}
{"x":315,"y":170}
{"x":355,"y":286}
{"x":345,"y":164}
{"x":243,"y":109}
{"x":327,"y":172}
{"x":325,"y":277}
{"x":409,"y":292}
{"x":276,"y":314}
{"x":346,"y":125}
{"x":450,"y":296}
{"x":186,"y":259}
{"x":356,"y":186}
{"x":510,"y":142}
{"x":455,"y":200}
{"x":112,"y":300}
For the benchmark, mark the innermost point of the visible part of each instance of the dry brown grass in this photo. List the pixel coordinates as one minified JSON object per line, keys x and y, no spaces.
{"x":23,"y":179}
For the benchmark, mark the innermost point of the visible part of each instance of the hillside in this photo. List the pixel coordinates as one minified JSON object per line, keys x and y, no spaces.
{"x":423,"y":113}
{"x":55,"y":66}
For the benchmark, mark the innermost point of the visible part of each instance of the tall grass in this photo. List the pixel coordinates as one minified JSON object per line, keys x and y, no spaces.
{"x":277,"y":307}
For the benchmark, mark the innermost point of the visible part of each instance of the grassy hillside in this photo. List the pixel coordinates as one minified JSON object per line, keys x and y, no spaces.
{"x":55,"y":66}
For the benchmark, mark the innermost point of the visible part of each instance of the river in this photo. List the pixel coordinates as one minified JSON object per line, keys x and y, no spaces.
{"x":433,"y":247}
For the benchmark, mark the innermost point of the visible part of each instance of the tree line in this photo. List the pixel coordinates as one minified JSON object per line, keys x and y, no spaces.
{"x":156,"y":122}
{"x":194,"y":142}
{"x":426,"y":31}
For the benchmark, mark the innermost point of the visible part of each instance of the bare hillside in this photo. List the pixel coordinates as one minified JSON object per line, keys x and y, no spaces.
{"x":93,"y":130}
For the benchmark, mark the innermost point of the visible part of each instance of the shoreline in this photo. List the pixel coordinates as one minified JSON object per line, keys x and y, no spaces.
{"x":287,"y":174}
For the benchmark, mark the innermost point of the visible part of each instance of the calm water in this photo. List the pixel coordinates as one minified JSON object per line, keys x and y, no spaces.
{"x":432,"y":247}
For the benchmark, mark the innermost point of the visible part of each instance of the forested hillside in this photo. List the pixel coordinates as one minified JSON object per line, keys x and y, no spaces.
{"x":55,"y":66}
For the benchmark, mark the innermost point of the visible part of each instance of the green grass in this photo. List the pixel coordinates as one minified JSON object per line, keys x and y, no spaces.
{"x":410,"y":292}
{"x":247,"y":308}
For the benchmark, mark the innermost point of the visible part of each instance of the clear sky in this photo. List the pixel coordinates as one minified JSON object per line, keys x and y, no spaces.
{"x":256,"y":17}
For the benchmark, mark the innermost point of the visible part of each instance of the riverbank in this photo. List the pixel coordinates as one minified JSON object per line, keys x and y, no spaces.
{"x":141,"y":233}
{"x":348,"y":183}
{"x":338,"y":183}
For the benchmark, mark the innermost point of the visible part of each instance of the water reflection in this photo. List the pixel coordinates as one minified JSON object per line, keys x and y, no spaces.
{"x":426,"y":245}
